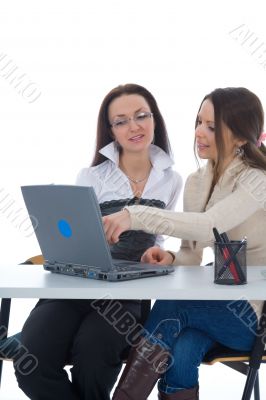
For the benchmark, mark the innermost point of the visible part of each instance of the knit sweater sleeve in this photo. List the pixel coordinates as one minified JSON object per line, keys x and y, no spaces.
{"x":226,"y":214}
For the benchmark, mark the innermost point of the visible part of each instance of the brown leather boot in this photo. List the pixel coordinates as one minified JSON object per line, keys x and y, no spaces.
{"x":145,"y":365}
{"x":186,"y":394}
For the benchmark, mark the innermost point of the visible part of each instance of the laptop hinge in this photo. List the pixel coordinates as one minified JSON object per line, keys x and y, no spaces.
{"x":58,"y":264}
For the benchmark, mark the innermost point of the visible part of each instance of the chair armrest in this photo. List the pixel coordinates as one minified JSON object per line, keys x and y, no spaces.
{"x":37,"y":260}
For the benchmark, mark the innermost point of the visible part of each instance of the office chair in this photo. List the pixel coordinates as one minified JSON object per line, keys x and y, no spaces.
{"x":247,"y":363}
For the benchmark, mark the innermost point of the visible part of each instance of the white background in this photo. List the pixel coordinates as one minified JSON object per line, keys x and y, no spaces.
{"x":75,"y":52}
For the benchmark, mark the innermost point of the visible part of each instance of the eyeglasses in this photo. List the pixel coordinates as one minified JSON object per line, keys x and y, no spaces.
{"x":140,"y":119}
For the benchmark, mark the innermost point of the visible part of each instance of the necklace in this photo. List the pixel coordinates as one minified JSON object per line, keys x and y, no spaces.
{"x":137,"y":180}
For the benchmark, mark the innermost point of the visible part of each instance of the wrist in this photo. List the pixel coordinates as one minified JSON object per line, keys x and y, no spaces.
{"x":172,"y":254}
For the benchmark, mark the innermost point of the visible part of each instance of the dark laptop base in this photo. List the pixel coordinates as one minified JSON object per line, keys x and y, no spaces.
{"x":121,"y":274}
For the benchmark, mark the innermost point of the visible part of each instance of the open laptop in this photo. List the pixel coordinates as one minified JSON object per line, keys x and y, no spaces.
{"x":71,"y":235}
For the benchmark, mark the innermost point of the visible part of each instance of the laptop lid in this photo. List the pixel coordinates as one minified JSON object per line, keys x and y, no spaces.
{"x":68,"y":224}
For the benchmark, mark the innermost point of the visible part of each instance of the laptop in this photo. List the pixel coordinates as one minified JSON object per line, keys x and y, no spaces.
{"x":70,"y":233}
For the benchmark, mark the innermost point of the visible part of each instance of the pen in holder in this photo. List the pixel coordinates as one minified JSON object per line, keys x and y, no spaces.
{"x":230,"y":266}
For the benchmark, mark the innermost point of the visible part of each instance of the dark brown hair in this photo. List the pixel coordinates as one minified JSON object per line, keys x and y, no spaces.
{"x":104,"y":133}
{"x":241,"y":111}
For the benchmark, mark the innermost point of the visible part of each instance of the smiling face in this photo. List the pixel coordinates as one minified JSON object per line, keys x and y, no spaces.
{"x":205,"y":132}
{"x":133,"y":125}
{"x":205,"y":136}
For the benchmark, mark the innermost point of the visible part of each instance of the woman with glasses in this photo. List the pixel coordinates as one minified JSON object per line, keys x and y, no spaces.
{"x":131,"y":165}
{"x":227,"y":193}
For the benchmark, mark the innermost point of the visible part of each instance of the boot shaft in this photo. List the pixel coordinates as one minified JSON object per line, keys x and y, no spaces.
{"x":144,"y":367}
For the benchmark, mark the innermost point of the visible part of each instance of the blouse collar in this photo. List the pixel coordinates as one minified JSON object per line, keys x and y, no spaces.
{"x":159,"y":158}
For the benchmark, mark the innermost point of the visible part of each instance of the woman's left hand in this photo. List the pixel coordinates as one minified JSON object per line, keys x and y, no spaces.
{"x":115,"y":224}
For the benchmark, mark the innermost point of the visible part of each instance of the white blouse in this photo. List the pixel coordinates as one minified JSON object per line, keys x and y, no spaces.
{"x":110,"y":182}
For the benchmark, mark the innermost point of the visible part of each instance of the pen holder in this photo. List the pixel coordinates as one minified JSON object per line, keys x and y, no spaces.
{"x":230,"y":267}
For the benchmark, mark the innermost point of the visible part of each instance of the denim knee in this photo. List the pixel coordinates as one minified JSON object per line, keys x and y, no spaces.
{"x":188,"y":351}
{"x":166,"y":332}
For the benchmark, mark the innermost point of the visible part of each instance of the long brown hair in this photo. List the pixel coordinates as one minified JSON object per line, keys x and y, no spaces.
{"x":104,"y":134}
{"x":241,"y":111}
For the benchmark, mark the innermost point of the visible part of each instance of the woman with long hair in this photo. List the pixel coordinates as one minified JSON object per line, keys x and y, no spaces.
{"x":227,"y":193}
{"x":131,"y":165}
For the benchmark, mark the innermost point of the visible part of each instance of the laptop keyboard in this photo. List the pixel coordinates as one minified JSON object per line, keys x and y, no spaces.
{"x":123,"y":265}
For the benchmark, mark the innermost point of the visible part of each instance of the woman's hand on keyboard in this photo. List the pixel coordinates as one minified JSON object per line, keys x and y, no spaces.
{"x":115,"y":224}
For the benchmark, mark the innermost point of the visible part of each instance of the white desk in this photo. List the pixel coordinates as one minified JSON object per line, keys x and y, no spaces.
{"x":31,"y":281}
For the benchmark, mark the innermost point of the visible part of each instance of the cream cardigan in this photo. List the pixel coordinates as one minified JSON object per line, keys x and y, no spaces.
{"x":237,"y":206}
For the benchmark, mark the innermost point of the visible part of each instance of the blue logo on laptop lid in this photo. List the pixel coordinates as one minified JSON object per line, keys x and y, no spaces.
{"x":64,"y":228}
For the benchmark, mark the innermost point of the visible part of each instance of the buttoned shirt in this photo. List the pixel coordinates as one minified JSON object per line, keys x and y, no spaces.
{"x":111,"y":183}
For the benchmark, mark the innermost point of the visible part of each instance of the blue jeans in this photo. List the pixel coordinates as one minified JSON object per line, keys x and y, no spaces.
{"x":189,"y":329}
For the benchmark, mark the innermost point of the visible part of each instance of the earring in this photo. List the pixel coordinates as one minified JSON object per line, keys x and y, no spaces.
{"x":239,"y":152}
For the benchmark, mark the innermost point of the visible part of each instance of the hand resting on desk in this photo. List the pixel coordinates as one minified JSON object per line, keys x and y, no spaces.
{"x":156,"y":255}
